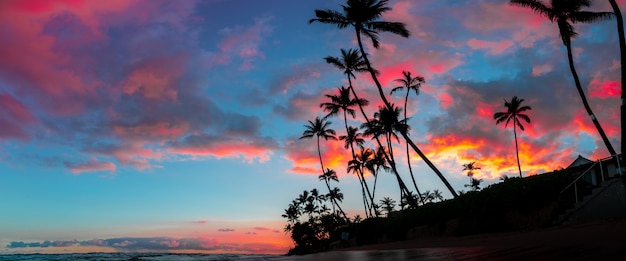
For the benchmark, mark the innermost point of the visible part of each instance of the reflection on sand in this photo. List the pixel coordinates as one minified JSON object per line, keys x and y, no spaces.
{"x":395,"y":255}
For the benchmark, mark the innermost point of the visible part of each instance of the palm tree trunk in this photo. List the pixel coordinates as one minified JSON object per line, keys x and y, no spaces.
{"x":406,"y":137}
{"x":360,"y":172}
{"x":393,"y":167}
{"x":519,"y":167}
{"x":319,"y":153}
{"x":622,"y":51}
{"x":584,"y":99}
{"x":408,"y":154}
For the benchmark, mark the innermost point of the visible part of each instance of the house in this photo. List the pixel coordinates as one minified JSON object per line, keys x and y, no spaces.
{"x":596,"y":172}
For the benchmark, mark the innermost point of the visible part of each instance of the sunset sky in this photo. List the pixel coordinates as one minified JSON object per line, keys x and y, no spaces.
{"x":174,"y":125}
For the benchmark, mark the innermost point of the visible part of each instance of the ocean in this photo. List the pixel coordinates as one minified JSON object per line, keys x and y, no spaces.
{"x":136,"y":257}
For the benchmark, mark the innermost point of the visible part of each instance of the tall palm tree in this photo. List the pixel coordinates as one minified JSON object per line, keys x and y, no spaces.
{"x":514,"y":112}
{"x":357,"y":166}
{"x":363,"y":16}
{"x":350,"y":62}
{"x":385,"y":122}
{"x":379,"y":161}
{"x":622,"y":52}
{"x":409,"y":83}
{"x":565,"y":13}
{"x":342,"y":101}
{"x":319,"y":128}
{"x":329,"y":175}
{"x":471,"y":167}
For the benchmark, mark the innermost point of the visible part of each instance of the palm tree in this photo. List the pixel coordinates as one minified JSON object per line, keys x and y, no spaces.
{"x":350,"y":62}
{"x":514,"y":112}
{"x":409,"y":83}
{"x":622,"y":51}
{"x":379,"y":161}
{"x":363,"y":16}
{"x":470,"y":167}
{"x":388,"y":204}
{"x":475,"y":184}
{"x":329,"y":175}
{"x":319,"y":128}
{"x":385,"y":122}
{"x":358,"y":165}
{"x":437,"y":195}
{"x":341,"y":101}
{"x":564,"y":13}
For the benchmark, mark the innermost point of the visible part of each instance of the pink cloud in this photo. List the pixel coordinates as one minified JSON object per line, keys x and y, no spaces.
{"x":492,"y":48}
{"x":14,"y":117}
{"x":541,"y":69}
{"x":604,"y":89}
{"x":91,"y":165}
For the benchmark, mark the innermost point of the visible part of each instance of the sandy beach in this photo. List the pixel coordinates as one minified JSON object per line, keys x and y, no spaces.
{"x":596,"y":240}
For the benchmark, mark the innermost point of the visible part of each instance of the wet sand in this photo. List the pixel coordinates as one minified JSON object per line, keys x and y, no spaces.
{"x":596,"y":240}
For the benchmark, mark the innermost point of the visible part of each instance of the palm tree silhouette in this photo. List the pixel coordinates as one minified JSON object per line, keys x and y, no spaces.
{"x":342,"y":101}
{"x":379,"y":160}
{"x":388,"y":204}
{"x":514,"y":112}
{"x":329,"y":175}
{"x":475,"y":184}
{"x":470,"y":167}
{"x":385,"y":122}
{"x":363,"y":16}
{"x":409,"y":83}
{"x":357,"y":166}
{"x":350,"y":62}
{"x":564,"y":13}
{"x":622,"y":51}
{"x":318,"y":128}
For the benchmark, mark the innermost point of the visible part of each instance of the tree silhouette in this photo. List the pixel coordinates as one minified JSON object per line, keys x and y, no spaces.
{"x":385,"y":122}
{"x":470,"y":167}
{"x":350,"y":62}
{"x":514,"y":112}
{"x":475,"y":184}
{"x":564,"y":13}
{"x":388,"y":205}
{"x":318,"y":128}
{"x":358,"y":165}
{"x":622,"y":52}
{"x":363,"y":16}
{"x":378,"y":161}
{"x":342,"y":101}
{"x":409,"y":83}
{"x":329,"y":175}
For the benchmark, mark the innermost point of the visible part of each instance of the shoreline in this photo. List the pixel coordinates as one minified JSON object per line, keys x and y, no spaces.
{"x":609,"y":232}
{"x":594,"y":240}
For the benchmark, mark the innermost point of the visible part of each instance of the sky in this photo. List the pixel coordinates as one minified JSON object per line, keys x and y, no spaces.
{"x":130,"y":125}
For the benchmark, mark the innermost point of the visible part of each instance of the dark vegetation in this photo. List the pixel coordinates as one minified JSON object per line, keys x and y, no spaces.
{"x":513,"y":204}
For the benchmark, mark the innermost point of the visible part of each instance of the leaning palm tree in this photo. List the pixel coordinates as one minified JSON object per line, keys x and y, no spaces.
{"x":357,"y":166}
{"x":514,"y":112}
{"x":350,"y":62}
{"x":470,"y":167}
{"x":565,"y":13}
{"x":343,"y":102}
{"x":622,"y":51}
{"x":378,"y":161}
{"x":385,"y":122}
{"x":363,"y":16}
{"x":409,"y":83}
